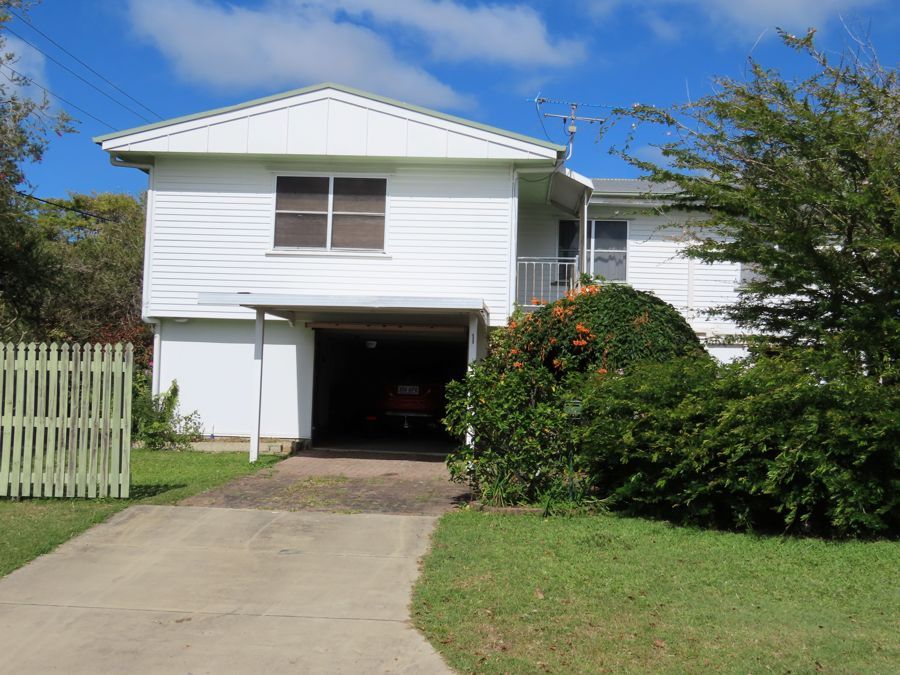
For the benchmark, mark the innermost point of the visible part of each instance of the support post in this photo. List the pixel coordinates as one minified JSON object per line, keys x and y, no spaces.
{"x":258,"y":344}
{"x":472,"y":357}
{"x":473,"y":339}
{"x":157,"y":358}
{"x":583,"y":227}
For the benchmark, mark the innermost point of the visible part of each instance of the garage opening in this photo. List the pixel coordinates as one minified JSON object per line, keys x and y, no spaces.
{"x":384,"y":389}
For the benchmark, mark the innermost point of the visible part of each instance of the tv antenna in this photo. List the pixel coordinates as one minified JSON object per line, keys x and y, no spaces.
{"x":570,"y":120}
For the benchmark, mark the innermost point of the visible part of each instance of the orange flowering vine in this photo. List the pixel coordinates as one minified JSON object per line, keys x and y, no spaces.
{"x":518,"y":364}
{"x":579,"y":342}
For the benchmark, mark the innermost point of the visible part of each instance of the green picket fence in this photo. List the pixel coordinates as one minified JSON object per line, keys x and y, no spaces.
{"x":65,"y":420}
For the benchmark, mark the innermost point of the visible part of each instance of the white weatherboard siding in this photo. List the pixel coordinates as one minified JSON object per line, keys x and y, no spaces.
{"x":213,"y":363}
{"x":654,"y":263}
{"x":447,"y":235}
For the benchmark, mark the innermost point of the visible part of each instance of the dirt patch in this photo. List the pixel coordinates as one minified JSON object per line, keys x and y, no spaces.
{"x":344,"y":482}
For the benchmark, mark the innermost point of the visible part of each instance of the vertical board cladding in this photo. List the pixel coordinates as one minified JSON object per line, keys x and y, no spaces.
{"x":212,"y":360}
{"x":447,"y":234}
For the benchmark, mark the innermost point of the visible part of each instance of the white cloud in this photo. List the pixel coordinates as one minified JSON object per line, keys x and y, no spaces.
{"x":288,"y":43}
{"x":662,"y":28}
{"x":508,"y":34}
{"x":232,"y":47}
{"x":28,"y":62}
{"x":788,"y":14}
{"x":744,"y":17}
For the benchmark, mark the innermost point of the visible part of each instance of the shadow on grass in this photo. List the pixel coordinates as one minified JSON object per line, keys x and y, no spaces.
{"x":151,"y":490}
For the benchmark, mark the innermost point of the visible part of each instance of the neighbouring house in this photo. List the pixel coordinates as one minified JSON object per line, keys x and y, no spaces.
{"x":308,"y":251}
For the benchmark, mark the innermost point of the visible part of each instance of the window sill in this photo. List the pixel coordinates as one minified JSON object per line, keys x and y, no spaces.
{"x":313,"y":253}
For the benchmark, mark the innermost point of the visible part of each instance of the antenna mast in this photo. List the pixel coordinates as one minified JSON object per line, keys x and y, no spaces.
{"x":570,"y":120}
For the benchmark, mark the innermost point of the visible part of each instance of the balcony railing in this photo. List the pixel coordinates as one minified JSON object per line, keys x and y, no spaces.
{"x":543,"y":280}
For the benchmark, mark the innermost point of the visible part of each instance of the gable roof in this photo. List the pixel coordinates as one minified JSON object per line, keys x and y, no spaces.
{"x":123,"y":140}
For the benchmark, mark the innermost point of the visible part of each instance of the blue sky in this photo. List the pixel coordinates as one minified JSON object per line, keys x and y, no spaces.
{"x":478,"y":59}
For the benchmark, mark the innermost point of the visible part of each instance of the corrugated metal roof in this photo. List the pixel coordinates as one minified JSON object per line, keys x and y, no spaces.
{"x":632,"y":186}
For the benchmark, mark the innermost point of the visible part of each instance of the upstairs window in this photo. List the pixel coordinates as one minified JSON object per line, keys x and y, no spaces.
{"x":609,"y":249}
{"x":330,"y":213}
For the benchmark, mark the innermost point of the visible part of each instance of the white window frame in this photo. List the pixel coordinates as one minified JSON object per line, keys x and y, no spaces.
{"x":589,"y":249}
{"x":328,"y":250}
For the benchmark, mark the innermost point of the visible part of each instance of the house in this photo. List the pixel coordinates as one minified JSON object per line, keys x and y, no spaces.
{"x":299,"y":247}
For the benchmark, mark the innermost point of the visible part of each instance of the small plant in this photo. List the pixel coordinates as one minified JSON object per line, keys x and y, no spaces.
{"x":157,"y":421}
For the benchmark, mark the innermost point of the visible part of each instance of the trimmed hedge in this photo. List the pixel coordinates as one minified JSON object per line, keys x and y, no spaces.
{"x":801,"y":442}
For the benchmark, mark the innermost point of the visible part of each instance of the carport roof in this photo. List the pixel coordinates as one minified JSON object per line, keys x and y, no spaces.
{"x":294,"y":303}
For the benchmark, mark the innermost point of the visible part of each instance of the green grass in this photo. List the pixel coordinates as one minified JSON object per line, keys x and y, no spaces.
{"x":514,"y":593}
{"x":29,"y":528}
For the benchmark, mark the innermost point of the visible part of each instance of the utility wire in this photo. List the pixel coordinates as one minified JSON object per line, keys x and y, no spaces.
{"x":85,"y":80}
{"x":537,"y":109}
{"x":63,"y":49}
{"x":69,"y":103}
{"x":67,"y":208}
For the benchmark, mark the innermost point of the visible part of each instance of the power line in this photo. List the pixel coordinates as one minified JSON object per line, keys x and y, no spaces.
{"x":67,"y":208}
{"x":69,"y":103}
{"x":85,"y":80}
{"x":537,"y":109}
{"x":101,"y":76}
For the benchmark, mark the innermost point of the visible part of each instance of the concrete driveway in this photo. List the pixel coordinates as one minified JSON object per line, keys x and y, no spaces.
{"x":164,"y":589}
{"x":344,"y":481}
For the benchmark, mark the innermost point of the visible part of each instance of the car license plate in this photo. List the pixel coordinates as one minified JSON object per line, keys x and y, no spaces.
{"x":408,"y":389}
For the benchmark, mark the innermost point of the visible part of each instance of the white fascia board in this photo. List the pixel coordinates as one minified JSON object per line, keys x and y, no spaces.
{"x":342,"y":302}
{"x":577,"y":177}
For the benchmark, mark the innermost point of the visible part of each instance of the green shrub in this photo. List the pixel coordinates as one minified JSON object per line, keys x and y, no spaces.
{"x":157,"y":421}
{"x":801,"y":441}
{"x":608,"y":326}
{"x":510,"y":406}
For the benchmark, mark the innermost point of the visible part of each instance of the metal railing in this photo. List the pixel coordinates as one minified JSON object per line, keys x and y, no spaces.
{"x":543,"y":280}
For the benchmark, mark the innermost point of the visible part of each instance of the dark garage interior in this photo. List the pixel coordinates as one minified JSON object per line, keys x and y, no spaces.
{"x":383,"y":389}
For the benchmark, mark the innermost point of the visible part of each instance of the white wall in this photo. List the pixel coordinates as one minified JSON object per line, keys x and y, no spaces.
{"x":213,"y":363}
{"x":447,"y":235}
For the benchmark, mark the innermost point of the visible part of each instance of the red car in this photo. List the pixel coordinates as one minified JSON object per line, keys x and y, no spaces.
{"x":411,"y":402}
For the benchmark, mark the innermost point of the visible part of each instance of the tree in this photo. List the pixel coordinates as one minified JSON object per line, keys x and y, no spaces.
{"x":97,"y":242}
{"x":27,"y":269}
{"x":800,"y":180}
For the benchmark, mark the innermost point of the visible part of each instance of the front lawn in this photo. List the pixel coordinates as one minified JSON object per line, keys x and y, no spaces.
{"x":29,"y":528}
{"x":513,"y":593}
